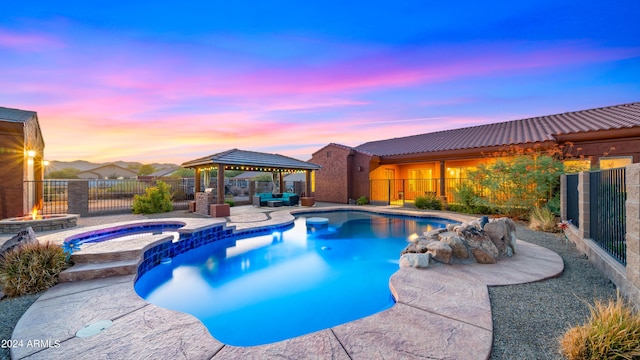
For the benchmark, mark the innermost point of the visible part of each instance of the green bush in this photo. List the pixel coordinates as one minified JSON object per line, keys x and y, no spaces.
{"x":155,"y":200}
{"x":31,"y":268}
{"x":362,"y":200}
{"x":612,"y":332}
{"x":430,"y":202}
{"x":231,"y":203}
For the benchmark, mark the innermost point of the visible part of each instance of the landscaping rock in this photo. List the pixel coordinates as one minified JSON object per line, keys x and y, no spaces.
{"x":502,"y":232}
{"x":410,"y":249}
{"x":421,"y":246}
{"x":414,"y":260}
{"x":24,"y":236}
{"x":459,"y":249}
{"x":483,"y":240}
{"x":440,"y":251}
{"x":433,"y":234}
{"x":478,"y":239}
{"x":483,"y":257}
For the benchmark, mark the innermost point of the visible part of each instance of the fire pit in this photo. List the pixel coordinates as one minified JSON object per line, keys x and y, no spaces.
{"x":38,"y":223}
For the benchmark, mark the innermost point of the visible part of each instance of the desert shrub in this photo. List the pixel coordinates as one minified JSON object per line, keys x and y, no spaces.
{"x":611,"y":332}
{"x":231,"y":203}
{"x":31,"y":268}
{"x":155,"y":200}
{"x":468,"y":200}
{"x":362,"y":200}
{"x":542,"y":219}
{"x":430,"y":202}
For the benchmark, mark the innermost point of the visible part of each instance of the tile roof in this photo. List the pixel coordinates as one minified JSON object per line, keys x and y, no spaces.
{"x":252,"y":158}
{"x":531,"y":130}
{"x":15,"y":115}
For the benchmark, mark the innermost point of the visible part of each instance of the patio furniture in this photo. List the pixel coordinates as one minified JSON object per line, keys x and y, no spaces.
{"x":274,"y":203}
{"x":288,"y":199}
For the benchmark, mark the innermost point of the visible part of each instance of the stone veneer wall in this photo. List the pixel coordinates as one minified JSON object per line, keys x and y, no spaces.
{"x":78,"y":198}
{"x":626,"y":279}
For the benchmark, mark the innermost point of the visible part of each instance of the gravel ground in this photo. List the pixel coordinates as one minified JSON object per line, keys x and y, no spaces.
{"x":12,"y":310}
{"x":528,"y":319}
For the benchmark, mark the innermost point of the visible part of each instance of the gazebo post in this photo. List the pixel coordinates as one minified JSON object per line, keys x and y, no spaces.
{"x":308,"y":200}
{"x":220,"y":209}
{"x":282,"y":187}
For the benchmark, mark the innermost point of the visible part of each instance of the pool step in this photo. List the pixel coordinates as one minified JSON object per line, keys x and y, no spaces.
{"x":109,"y":258}
{"x":89,"y":271}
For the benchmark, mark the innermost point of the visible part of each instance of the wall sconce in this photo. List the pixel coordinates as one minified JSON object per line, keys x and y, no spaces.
{"x":31,"y":153}
{"x":359,"y":168}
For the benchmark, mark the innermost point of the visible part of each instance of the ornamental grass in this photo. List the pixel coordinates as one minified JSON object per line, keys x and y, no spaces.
{"x":542,"y":219}
{"x":31,"y":268}
{"x":611,"y":332}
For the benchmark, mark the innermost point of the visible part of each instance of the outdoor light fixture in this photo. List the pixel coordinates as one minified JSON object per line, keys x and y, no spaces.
{"x":31,"y":153}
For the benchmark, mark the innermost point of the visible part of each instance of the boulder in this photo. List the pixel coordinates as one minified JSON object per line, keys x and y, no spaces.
{"x":502,"y":233}
{"x":483,"y":257}
{"x":433,"y":234}
{"x":478,"y":239}
{"x":24,"y":236}
{"x":459,"y":249}
{"x":421,"y":246}
{"x":410,"y":249}
{"x":414,"y":260}
{"x":440,"y":251}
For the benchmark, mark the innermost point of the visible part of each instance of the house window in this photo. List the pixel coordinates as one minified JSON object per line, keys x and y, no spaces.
{"x":420,"y":181}
{"x":328,"y":154}
{"x":615,"y":162}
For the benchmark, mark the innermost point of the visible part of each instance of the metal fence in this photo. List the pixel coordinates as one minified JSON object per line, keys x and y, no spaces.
{"x":573,"y":212}
{"x":607,"y":196}
{"x":108,"y":196}
{"x":401,"y":191}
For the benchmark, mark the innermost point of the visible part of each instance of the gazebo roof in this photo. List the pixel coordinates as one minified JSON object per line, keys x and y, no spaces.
{"x":251,"y":160}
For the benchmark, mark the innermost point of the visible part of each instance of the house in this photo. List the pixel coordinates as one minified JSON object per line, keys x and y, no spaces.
{"x":398,"y":169}
{"x":108,"y":171}
{"x":21,"y":162}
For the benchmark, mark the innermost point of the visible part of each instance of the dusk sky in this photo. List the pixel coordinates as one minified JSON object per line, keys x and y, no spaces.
{"x":160,"y":81}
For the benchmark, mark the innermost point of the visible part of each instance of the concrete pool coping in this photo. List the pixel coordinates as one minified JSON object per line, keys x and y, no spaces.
{"x":441,"y":312}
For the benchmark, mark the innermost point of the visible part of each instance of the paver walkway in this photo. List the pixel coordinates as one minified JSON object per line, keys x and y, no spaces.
{"x":441,"y":312}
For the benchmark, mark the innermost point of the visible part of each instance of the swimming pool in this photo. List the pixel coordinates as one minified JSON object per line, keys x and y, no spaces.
{"x":273,"y":287}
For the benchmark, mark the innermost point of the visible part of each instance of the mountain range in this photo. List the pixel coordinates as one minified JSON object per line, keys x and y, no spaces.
{"x":82,"y":165}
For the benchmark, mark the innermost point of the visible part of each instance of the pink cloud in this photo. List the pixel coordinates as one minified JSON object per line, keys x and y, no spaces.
{"x":28,"y":42}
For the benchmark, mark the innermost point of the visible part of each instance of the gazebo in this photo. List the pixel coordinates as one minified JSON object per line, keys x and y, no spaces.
{"x":235,"y":159}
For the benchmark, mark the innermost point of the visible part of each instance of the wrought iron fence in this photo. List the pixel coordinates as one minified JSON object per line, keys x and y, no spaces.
{"x":573,"y":212}
{"x":607,"y":219}
{"x":105,"y":196}
{"x":54,"y":195}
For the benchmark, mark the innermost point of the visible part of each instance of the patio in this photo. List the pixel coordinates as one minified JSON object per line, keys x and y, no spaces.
{"x":451,"y":305}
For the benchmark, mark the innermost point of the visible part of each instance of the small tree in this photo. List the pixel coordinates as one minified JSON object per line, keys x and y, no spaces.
{"x":524,"y":181}
{"x":146,"y":169}
{"x":155,"y":200}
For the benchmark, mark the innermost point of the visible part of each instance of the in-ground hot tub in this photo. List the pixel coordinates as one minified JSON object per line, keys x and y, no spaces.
{"x":41,"y":223}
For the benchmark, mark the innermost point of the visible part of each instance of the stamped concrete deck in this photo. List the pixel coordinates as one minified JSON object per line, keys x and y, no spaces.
{"x":441,"y":312}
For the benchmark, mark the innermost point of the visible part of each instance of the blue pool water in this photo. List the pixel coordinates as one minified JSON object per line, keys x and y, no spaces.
{"x":274,"y":287}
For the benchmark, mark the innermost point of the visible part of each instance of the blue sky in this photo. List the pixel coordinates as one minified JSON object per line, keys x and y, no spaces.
{"x":165,"y":81}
